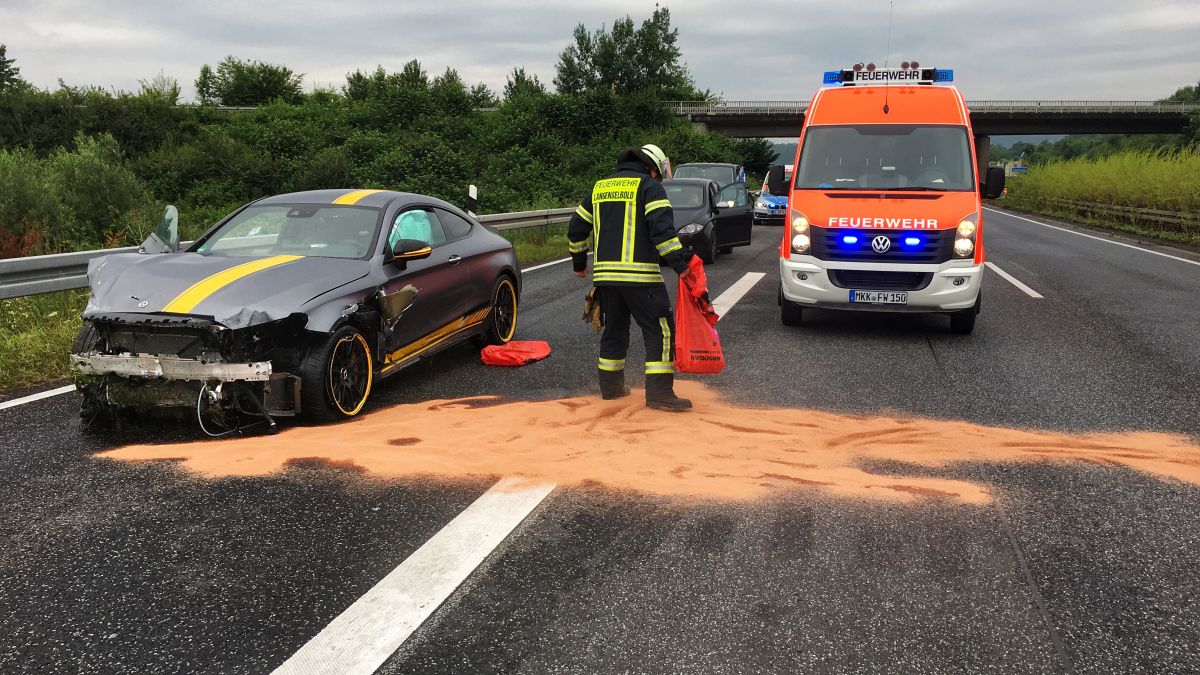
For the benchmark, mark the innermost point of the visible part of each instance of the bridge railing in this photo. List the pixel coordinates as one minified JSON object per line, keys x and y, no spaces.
{"x":798,"y":107}
{"x":39,"y":274}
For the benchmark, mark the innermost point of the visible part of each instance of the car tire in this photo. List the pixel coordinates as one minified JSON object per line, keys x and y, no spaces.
{"x":709,"y":256}
{"x":726,"y":250}
{"x":94,"y":409}
{"x":501,"y":322}
{"x":790,"y":313}
{"x":336,"y":376}
{"x":963,"y":322}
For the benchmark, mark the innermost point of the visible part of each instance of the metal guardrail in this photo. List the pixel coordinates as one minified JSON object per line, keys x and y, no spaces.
{"x":978,"y":106}
{"x":64,"y":271}
{"x":1175,"y":221}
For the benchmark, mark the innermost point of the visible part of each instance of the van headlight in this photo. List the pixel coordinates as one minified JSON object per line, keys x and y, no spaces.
{"x":964,"y":242}
{"x":801,"y":243}
{"x":799,"y":223}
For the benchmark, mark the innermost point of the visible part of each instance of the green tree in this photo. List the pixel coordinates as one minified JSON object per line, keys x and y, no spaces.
{"x":206,"y":86}
{"x":482,"y":96}
{"x":161,"y":88}
{"x":521,"y":84}
{"x":450,"y":93}
{"x":248,"y":83}
{"x":756,"y":154}
{"x":10,"y":75}
{"x":627,"y":60}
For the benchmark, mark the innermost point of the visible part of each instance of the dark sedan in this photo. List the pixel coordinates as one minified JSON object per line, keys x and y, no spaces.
{"x":708,"y":219}
{"x":294,"y":304}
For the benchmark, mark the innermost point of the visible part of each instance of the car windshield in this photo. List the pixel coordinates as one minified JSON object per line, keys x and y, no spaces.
{"x":321,"y":230}
{"x":886,"y":157}
{"x":724,"y":175}
{"x":684,"y":196}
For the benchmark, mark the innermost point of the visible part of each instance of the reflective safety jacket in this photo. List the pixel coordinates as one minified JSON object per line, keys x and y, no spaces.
{"x":628,"y":224}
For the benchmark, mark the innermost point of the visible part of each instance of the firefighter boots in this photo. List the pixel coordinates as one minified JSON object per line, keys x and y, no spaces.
{"x":660,"y":394}
{"x":612,"y":384}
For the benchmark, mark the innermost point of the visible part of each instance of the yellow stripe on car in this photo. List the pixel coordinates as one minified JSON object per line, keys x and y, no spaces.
{"x":354,"y":197}
{"x":186,"y":301}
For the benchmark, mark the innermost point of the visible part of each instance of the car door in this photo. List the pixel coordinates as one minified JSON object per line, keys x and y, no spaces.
{"x":421,"y":297}
{"x":472,"y":262}
{"x":735,"y":218}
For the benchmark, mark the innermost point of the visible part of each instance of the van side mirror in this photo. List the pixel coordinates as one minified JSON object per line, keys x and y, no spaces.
{"x":775,"y":184}
{"x":411,"y":249}
{"x":994,"y":186}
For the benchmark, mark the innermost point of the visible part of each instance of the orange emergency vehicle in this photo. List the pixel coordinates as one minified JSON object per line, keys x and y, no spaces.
{"x":884,"y":207}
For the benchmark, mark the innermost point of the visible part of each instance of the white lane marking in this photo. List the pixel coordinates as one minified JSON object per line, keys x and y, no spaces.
{"x":729,"y":298}
{"x":37,"y":397}
{"x":361,"y":638}
{"x":1014,"y":281}
{"x":1092,"y":236}
{"x":543,"y":265}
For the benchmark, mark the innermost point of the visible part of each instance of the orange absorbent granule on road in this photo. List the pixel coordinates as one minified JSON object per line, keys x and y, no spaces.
{"x":720,"y":450}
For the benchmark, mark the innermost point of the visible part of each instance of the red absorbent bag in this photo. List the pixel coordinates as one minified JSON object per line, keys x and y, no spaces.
{"x":515,"y":353}
{"x":697,"y":345}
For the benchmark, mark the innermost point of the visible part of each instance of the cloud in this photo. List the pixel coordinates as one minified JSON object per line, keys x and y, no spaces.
{"x":767,"y":50}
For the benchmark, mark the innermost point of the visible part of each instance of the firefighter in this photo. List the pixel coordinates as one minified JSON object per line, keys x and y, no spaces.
{"x":628,"y":224}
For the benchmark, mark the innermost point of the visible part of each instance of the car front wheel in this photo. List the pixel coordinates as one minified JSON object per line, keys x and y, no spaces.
{"x":501,"y":324}
{"x":336,"y":376}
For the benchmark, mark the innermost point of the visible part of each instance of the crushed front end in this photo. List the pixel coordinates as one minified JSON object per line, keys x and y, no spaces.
{"x":141,"y":361}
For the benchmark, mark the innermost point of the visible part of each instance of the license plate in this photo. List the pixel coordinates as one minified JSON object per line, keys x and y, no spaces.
{"x":880,"y":297}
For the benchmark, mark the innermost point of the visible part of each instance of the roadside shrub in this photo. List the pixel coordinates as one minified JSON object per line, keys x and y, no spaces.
{"x":99,"y":192}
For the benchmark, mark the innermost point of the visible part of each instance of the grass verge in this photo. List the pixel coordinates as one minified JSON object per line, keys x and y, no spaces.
{"x":36,"y":335}
{"x":537,"y":245}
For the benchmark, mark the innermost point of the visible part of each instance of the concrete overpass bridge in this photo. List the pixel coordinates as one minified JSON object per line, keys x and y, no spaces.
{"x":781,"y":119}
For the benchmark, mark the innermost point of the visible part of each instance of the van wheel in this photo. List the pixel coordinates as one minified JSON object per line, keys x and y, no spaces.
{"x":336,"y":376}
{"x":963,"y":322}
{"x":790,"y":313}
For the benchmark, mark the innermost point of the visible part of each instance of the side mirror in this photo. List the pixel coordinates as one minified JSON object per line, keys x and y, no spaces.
{"x":411,"y":249}
{"x":724,"y":205}
{"x":165,"y":237}
{"x":993,"y":188}
{"x":775,"y":183}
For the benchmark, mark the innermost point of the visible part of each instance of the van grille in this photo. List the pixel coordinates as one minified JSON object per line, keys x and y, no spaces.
{"x":937,"y":246}
{"x":865,"y":280}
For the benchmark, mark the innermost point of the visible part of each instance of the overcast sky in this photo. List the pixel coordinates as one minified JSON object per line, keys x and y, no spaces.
{"x":760,"y":50}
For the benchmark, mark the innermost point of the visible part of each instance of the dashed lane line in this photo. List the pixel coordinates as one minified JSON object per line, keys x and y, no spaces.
{"x":1092,"y":236}
{"x":360,"y":639}
{"x":1014,"y":281}
{"x":364,"y":636}
{"x":741,"y":287}
{"x":37,"y":397}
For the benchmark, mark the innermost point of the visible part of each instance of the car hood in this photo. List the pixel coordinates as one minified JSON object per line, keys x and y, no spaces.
{"x":235,"y":292}
{"x":685,"y":216}
{"x":774,"y":199}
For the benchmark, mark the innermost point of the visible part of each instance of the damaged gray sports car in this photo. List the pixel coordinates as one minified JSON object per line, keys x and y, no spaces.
{"x":292,"y":305}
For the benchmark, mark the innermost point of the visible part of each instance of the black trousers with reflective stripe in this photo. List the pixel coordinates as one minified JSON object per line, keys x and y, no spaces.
{"x":648,"y":305}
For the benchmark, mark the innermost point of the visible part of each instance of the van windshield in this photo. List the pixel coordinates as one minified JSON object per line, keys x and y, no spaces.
{"x":886,"y":157}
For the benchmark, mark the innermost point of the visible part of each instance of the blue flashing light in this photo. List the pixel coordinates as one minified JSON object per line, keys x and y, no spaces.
{"x":832,"y":77}
{"x":849,"y":239}
{"x":943,"y":75}
{"x":912,"y":241}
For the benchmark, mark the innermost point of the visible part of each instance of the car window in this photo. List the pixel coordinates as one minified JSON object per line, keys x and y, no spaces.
{"x":453,"y":225}
{"x":735,"y":193}
{"x":322,"y":230}
{"x":684,"y":196}
{"x":419,"y":224}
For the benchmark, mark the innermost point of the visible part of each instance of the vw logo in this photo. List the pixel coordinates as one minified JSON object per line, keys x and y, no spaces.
{"x":881,"y":244}
{"x":143,"y":303}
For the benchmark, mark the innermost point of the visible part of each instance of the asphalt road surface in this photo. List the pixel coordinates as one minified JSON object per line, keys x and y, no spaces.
{"x":1077,"y":567}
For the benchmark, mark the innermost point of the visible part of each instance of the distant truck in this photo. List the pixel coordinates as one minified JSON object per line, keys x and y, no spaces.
{"x":884,"y":207}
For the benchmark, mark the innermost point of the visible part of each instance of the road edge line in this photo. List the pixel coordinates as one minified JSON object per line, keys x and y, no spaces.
{"x":368,"y":632}
{"x":1092,"y":236}
{"x":1015,"y":281}
{"x":4,"y":405}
